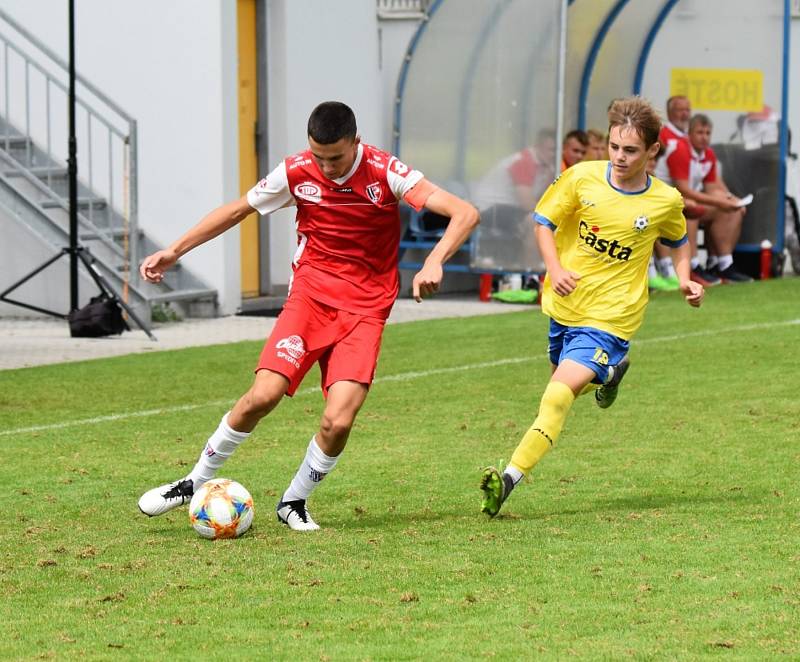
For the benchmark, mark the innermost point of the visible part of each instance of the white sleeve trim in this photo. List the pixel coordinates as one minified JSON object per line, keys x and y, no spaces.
{"x":400,"y":184}
{"x":272,"y":192}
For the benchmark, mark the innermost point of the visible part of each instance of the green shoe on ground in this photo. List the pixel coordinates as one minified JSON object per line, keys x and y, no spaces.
{"x":661,"y":284}
{"x":607,"y":393}
{"x":496,"y":487}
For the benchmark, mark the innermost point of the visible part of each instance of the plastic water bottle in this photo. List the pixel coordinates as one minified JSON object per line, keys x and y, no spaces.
{"x":766,"y":259}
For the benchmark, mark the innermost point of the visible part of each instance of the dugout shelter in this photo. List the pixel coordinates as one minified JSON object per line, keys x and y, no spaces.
{"x":480,"y":79}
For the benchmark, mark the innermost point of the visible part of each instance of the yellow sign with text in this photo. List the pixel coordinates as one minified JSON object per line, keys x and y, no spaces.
{"x":720,"y":89}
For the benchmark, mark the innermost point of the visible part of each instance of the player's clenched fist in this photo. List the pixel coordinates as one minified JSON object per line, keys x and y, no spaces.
{"x":154,"y":266}
{"x":426,"y":281}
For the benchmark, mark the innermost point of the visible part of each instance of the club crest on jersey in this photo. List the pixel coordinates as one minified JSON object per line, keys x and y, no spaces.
{"x":308,"y":191}
{"x":640,"y":223}
{"x":375,"y":192}
{"x":295,"y":349}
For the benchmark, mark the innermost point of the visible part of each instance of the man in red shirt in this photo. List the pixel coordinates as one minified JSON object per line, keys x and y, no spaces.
{"x":344,"y":282}
{"x":693,"y":171}
{"x":673,"y":131}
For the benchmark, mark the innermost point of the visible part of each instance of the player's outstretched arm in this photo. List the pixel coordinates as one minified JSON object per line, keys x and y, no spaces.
{"x":213,"y":224}
{"x":681,"y":259}
{"x":464,"y":218}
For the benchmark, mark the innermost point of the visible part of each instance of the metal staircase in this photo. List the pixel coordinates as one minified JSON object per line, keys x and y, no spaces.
{"x":34,"y":181}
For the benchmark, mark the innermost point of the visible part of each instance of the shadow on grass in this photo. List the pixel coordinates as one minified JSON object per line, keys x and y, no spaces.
{"x":638,"y":503}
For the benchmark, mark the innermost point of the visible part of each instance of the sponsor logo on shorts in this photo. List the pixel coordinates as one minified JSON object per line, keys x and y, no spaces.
{"x":308,"y":191}
{"x":295,"y":349}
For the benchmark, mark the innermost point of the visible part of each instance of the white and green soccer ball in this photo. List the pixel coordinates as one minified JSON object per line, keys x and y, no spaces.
{"x":221,"y":508}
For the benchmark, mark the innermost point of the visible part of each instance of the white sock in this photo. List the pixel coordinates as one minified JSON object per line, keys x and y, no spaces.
{"x":712,"y":262}
{"x":220,"y":447}
{"x":516,"y":474}
{"x":666,"y":268}
{"x":315,"y":466}
{"x":725,"y":261}
{"x":651,"y":269}
{"x":695,"y":263}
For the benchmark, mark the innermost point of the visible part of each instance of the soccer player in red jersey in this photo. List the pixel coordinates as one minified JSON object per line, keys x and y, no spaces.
{"x":344,"y":283}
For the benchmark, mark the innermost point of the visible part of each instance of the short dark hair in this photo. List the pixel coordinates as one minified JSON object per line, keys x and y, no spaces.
{"x":580,"y":135}
{"x":331,"y":121}
{"x":702,"y":120}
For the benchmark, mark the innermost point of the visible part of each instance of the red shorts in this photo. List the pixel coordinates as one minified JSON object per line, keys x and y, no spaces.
{"x":345,"y":344}
{"x":694,"y":212}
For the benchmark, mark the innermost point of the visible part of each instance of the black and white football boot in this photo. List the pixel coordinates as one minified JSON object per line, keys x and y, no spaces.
{"x":607,"y":393}
{"x":162,"y":499}
{"x":295,"y":515}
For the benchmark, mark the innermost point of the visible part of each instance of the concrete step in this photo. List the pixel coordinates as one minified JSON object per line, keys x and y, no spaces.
{"x":83,"y":203}
{"x":183,"y":295}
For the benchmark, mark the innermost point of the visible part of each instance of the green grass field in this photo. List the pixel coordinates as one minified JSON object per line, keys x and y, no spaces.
{"x":663,"y":528}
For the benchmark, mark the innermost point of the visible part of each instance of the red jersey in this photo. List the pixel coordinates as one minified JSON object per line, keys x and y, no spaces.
{"x":348,"y":229}
{"x":697,"y":168}
{"x":669,"y":136}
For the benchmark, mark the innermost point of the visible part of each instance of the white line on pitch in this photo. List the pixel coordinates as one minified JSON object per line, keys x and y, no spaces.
{"x":401,"y":377}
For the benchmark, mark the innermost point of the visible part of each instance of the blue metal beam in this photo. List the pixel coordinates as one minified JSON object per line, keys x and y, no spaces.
{"x":648,"y":44}
{"x":784,"y":138}
{"x":588,"y":67}
{"x":401,"y":79}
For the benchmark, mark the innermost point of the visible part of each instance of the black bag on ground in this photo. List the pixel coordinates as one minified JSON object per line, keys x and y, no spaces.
{"x":102,"y":316}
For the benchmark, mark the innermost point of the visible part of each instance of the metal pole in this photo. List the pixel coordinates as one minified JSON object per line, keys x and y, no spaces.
{"x":72,"y":162}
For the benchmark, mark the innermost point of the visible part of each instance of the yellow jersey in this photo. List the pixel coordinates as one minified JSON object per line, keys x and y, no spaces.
{"x":606,"y":235}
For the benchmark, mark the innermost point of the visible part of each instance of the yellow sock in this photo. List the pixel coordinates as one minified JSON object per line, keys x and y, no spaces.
{"x":589,"y":388}
{"x":553,"y":410}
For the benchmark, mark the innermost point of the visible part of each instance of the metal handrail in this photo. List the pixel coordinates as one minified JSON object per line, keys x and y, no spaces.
{"x":49,"y":194}
{"x":98,"y":124}
{"x":63,"y":65}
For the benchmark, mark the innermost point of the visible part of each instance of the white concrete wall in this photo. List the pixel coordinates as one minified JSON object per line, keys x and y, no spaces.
{"x":697,"y":35}
{"x":172,"y":66}
{"x":794,"y":88}
{"x":317,"y":51}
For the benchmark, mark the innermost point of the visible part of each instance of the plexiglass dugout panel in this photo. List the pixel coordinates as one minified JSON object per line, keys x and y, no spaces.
{"x":481,"y":87}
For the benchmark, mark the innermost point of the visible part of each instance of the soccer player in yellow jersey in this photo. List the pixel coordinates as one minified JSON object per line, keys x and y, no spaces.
{"x":596,"y":227}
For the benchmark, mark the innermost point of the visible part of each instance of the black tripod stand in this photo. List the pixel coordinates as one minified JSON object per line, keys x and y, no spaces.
{"x":76,"y":253}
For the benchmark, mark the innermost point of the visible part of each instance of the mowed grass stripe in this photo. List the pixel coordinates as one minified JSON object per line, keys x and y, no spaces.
{"x":400,"y":377}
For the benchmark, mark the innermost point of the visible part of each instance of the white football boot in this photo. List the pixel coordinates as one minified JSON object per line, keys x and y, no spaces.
{"x":162,"y":499}
{"x":295,"y":515}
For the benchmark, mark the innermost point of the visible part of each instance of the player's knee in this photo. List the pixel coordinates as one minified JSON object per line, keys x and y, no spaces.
{"x":557,"y":400}
{"x":336,"y":425}
{"x":262,"y":399}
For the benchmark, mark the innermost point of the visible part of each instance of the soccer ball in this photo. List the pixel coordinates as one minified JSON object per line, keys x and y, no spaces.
{"x":221,"y":508}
